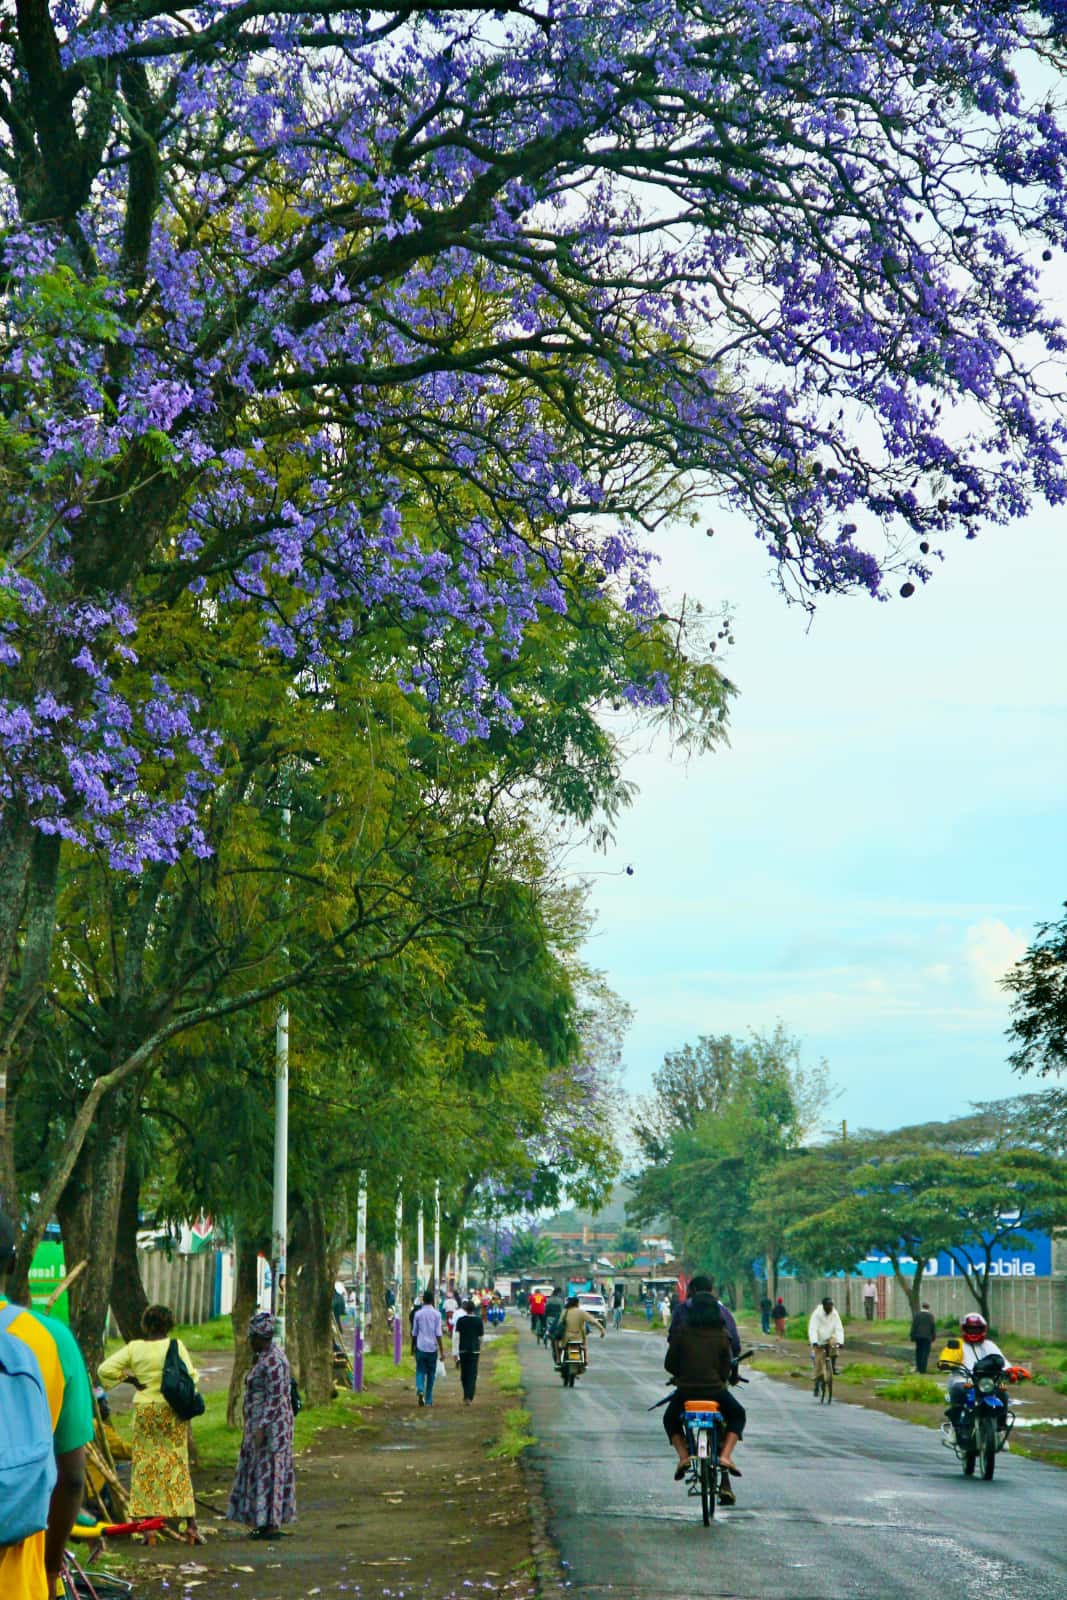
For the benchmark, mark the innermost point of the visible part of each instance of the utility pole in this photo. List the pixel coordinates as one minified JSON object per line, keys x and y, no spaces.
{"x":848,"y":1282}
{"x":280,"y":1218}
{"x":361,"y":1284}
{"x":464,"y":1264}
{"x":398,"y":1273}
{"x":437,"y":1241}
{"x":420,"y":1270}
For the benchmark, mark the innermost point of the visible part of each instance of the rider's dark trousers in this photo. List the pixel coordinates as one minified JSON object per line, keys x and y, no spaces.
{"x":733,"y":1412}
{"x":468,"y":1373}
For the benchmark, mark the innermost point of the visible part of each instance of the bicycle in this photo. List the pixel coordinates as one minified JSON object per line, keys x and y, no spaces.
{"x":824,"y":1372}
{"x":703,"y":1422}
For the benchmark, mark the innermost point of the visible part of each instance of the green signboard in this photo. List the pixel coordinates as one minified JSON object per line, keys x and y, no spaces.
{"x":46,"y":1274}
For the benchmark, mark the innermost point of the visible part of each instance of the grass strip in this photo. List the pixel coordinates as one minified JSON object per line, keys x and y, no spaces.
{"x":916,"y":1387}
{"x":515,"y":1438}
{"x":506,"y":1374}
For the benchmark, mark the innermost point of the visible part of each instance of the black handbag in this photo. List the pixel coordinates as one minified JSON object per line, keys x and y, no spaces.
{"x":178,"y":1388}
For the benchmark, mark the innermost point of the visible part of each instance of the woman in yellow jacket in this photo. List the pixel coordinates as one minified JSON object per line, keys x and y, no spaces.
{"x":160,"y":1484}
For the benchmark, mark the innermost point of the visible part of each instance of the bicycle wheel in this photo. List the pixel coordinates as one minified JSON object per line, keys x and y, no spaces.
{"x":828,"y":1385}
{"x":708,"y":1476}
{"x":987,"y":1443}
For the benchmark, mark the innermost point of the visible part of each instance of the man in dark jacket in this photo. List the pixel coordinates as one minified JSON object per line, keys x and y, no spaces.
{"x":700,"y":1360}
{"x":923,"y":1332}
{"x":704,"y":1285}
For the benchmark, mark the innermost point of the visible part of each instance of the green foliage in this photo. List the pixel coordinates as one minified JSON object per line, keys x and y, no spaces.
{"x":506,"y":1370}
{"x":214,"y":1335}
{"x":515,"y":1438}
{"x":1038,"y":983}
{"x":923,"y":1391}
{"x":723,"y":1113}
{"x":860,"y":1372}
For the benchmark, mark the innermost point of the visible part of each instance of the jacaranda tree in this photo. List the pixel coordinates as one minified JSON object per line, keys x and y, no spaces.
{"x":423,"y":316}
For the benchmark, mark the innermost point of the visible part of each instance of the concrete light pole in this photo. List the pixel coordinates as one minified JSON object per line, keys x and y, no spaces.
{"x":361,"y":1284}
{"x":280,"y":1218}
{"x":398,"y":1273}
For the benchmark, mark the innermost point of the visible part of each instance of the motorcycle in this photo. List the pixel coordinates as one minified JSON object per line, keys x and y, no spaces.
{"x":572,"y":1362}
{"x":984,"y":1427}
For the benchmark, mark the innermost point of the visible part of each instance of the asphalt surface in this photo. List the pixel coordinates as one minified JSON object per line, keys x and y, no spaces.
{"x":833,"y":1503}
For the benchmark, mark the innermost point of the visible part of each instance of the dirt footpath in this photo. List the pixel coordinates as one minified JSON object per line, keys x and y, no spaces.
{"x":408,"y":1507}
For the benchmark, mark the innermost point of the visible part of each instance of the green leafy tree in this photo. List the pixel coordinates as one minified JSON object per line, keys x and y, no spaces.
{"x":723,"y":1114}
{"x":1038,"y":984}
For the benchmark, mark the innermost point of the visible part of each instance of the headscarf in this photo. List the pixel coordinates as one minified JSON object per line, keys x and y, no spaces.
{"x":261,"y":1326}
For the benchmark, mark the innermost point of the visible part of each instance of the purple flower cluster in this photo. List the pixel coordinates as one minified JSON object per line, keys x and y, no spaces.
{"x":421,"y":323}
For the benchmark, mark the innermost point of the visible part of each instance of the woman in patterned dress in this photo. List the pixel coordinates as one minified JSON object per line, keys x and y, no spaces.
{"x":160,"y":1485}
{"x":264,"y":1491}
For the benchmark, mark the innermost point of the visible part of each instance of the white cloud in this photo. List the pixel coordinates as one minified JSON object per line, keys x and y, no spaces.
{"x":991,"y":949}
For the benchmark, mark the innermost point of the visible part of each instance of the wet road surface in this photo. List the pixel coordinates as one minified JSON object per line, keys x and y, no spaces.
{"x":834,"y":1503}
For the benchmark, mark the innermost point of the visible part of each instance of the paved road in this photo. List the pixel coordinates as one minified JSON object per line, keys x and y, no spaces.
{"x":833,"y":1504}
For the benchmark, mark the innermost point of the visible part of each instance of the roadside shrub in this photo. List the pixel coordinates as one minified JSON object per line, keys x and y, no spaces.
{"x":926,"y":1391}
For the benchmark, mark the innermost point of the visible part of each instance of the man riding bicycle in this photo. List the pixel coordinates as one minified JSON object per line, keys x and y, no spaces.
{"x":825,"y":1335}
{"x":538,"y":1303}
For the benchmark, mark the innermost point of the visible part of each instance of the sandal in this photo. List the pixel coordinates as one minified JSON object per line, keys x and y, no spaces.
{"x":735,"y":1472}
{"x":680,"y":1470}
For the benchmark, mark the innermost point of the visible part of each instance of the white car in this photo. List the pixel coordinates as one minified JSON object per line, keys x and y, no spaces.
{"x":595,"y":1304}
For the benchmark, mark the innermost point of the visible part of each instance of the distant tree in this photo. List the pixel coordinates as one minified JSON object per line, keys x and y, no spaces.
{"x":724,"y":1113}
{"x":1039,"y":1010}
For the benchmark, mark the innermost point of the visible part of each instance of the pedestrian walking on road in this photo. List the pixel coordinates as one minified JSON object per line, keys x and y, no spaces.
{"x":469,"y":1332}
{"x":618,"y":1306}
{"x":264,"y":1486}
{"x":766,"y":1306}
{"x":870,"y":1297}
{"x":923,"y":1333}
{"x":427,"y":1347}
{"x":779,"y":1313}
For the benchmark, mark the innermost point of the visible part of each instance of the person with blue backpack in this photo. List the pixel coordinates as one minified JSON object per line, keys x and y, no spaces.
{"x":46,"y":1420}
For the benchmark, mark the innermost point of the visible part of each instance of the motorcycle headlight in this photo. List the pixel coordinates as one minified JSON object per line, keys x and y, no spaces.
{"x":986,"y":1386}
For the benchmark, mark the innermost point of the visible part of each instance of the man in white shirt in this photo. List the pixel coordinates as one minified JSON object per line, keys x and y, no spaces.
{"x":825,"y":1335}
{"x":870,"y":1298}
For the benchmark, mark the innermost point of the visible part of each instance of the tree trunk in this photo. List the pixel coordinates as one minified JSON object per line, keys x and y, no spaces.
{"x":309,"y":1307}
{"x":128,"y":1299}
{"x":72,"y":1212}
{"x":246,"y":1274}
{"x":379,"y":1316}
{"x":107,"y":1167}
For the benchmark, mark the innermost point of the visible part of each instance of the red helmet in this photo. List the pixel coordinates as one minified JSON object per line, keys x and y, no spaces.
{"x":974,"y":1328}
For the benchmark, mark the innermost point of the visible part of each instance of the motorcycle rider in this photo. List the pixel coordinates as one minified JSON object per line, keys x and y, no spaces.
{"x":574,"y":1324}
{"x":553,"y":1313}
{"x":974,"y":1330}
{"x":824,"y":1328}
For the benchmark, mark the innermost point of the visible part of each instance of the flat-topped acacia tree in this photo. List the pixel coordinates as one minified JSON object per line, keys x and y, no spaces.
{"x":277,"y":277}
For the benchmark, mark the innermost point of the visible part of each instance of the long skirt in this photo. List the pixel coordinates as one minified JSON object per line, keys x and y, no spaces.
{"x":264,"y":1487}
{"x":160,"y":1485}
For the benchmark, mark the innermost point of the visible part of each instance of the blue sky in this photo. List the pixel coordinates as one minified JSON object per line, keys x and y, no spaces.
{"x":878,"y":842}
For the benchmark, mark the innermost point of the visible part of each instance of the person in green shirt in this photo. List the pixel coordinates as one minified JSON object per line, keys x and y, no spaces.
{"x":30,"y":1570}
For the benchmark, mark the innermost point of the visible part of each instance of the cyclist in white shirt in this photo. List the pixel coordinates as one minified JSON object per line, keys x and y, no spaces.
{"x":825,"y":1335}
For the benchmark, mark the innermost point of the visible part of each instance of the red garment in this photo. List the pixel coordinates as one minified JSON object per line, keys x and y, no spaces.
{"x":538,"y":1303}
